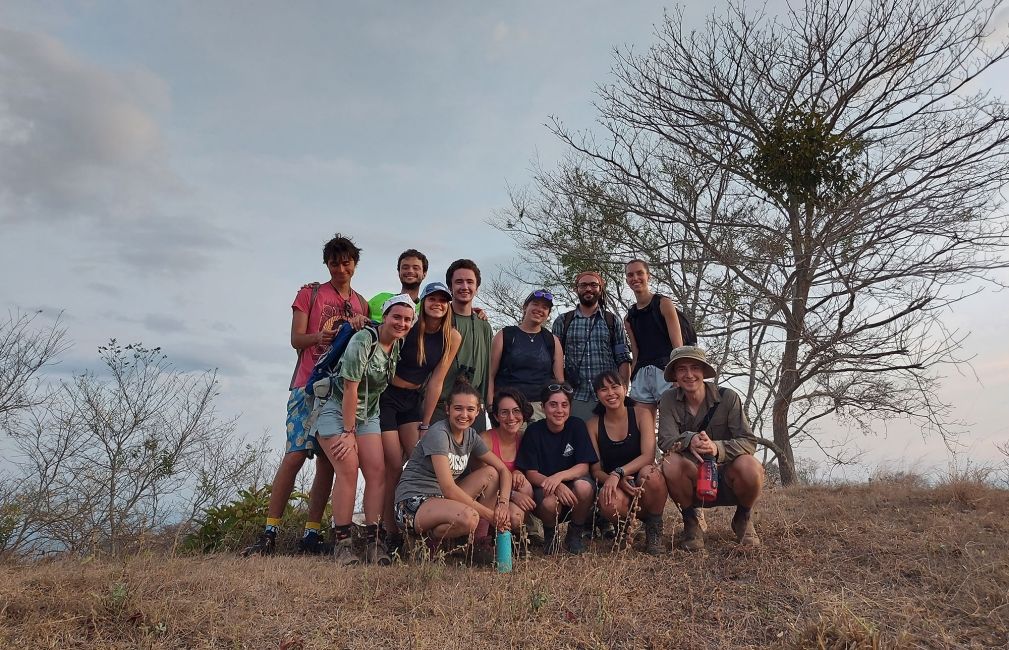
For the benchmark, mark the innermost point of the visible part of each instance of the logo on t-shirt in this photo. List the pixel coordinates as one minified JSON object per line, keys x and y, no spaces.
{"x":458,"y":463}
{"x":568,"y":450}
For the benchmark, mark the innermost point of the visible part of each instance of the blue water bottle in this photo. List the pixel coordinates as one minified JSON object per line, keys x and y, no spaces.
{"x":504,"y":551}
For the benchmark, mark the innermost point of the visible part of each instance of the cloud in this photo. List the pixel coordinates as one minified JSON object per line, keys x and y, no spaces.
{"x":75,"y":139}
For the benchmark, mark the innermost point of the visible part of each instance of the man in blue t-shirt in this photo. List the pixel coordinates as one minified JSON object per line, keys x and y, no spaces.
{"x":555,"y":455}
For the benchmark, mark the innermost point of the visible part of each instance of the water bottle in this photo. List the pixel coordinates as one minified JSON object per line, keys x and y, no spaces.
{"x":504,"y":551}
{"x":707,"y":479}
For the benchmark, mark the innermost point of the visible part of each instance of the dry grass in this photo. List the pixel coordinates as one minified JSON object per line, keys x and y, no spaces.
{"x":877,"y":566}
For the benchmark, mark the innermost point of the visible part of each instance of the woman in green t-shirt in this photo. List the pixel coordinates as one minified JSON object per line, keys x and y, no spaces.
{"x":349,"y":431}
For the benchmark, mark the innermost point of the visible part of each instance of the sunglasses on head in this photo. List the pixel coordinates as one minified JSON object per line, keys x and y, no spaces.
{"x":543,"y":295}
{"x":564,"y":388}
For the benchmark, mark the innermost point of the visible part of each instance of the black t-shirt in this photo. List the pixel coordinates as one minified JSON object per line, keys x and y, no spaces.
{"x":548,"y":452}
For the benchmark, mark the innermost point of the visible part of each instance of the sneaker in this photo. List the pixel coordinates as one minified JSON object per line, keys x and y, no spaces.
{"x":265,"y":545}
{"x":653,"y":535}
{"x":314,"y":543}
{"x":604,"y":529}
{"x":693,"y":538}
{"x":573,"y":539}
{"x":742,"y":526}
{"x":377,"y":553}
{"x":395,"y":545}
{"x":343,"y":553}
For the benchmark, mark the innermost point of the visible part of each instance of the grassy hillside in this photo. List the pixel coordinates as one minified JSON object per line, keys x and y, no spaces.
{"x":881,"y":565}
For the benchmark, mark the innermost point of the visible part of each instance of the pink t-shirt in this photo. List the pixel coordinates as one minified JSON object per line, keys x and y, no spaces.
{"x":326,"y":314}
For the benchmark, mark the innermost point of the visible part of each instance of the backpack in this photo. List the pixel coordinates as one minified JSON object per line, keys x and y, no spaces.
{"x":320,"y":382}
{"x":569,"y":317}
{"x":686,"y":327}
{"x":508,"y":338}
{"x":362,"y":301}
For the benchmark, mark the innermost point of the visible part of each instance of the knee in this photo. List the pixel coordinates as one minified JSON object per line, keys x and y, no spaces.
{"x":467,"y":520}
{"x":517,"y":518}
{"x":746,"y":473}
{"x":583,"y":491}
{"x":677,"y":467}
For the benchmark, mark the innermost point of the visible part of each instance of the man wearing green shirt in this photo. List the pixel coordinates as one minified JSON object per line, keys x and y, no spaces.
{"x":412,"y":269}
{"x":473,"y":359}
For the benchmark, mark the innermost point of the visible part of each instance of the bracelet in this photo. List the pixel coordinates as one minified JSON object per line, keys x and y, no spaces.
{"x":351,"y":430}
{"x":424,"y":427}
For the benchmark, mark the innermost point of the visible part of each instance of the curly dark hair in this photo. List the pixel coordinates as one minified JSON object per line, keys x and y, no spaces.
{"x":510,"y":393}
{"x":340,"y":247}
{"x":412,"y":252}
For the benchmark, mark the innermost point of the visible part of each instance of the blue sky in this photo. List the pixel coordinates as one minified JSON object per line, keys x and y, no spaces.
{"x":169,"y":171}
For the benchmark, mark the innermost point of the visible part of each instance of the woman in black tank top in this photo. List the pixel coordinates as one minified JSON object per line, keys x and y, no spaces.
{"x":626,"y":471}
{"x":405,"y":409}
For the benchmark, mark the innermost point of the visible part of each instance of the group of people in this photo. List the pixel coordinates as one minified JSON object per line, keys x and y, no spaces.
{"x":582,"y":411}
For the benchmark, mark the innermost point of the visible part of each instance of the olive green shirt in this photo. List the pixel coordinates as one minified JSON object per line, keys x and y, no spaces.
{"x":473,"y":358}
{"x":728,"y":427}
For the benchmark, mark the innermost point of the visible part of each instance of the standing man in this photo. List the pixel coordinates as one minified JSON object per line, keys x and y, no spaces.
{"x":473,"y":359}
{"x":318,"y":311}
{"x":593,"y":342}
{"x":653,"y":327}
{"x":698,"y":419}
{"x":412,"y":269}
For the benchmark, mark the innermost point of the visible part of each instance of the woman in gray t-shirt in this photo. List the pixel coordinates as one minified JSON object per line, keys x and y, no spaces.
{"x":428,"y":498}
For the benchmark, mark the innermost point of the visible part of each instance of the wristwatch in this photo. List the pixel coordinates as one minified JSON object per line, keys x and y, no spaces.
{"x":618,"y":471}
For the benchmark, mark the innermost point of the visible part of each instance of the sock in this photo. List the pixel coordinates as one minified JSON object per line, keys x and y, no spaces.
{"x":651,"y":518}
{"x":742,"y":511}
{"x":341,"y":532}
{"x":548,"y":533}
{"x":272,"y":525}
{"x":690,"y":513}
{"x":312,"y":527}
{"x":372,"y":533}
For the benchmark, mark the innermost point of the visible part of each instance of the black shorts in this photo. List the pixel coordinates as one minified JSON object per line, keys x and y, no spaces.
{"x":399,"y":406}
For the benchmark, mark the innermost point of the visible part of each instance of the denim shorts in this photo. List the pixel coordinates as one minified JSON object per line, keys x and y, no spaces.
{"x":330,"y":422}
{"x":406,"y":510}
{"x":298,"y":410}
{"x":648,"y":385}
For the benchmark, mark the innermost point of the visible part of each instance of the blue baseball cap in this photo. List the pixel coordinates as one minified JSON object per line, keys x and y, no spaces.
{"x":435,"y":287}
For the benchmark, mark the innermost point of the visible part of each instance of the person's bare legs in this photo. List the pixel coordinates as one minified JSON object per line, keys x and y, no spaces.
{"x":283,"y":483}
{"x":445,"y":519}
{"x":393,"y":454}
{"x":322,"y":486}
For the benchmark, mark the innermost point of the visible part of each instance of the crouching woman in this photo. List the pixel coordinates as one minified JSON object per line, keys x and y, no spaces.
{"x":624,"y":440}
{"x":431,"y":499}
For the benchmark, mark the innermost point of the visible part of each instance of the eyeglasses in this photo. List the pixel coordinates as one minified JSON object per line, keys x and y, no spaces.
{"x":543,"y":295}
{"x":515,"y":413}
{"x":587,"y":285}
{"x":564,"y":388}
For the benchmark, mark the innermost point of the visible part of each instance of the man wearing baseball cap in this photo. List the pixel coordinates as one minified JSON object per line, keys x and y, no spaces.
{"x":699,"y":420}
{"x":594,"y":341}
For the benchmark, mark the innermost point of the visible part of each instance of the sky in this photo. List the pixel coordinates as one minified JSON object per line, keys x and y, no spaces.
{"x":169,"y":172}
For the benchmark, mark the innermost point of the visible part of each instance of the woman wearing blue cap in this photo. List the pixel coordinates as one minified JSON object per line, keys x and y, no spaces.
{"x":409,"y":402}
{"x":348,"y":426}
{"x":527,"y":356}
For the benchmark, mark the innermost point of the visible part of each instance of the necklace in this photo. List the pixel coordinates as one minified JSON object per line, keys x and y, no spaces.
{"x":532,"y":337}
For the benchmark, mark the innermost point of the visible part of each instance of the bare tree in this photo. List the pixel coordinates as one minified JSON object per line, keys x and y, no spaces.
{"x":25,"y":349}
{"x":110,"y":457}
{"x":829,"y":183}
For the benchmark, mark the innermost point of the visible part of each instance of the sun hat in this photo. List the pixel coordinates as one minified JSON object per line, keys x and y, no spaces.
{"x":435,"y":287}
{"x":688,"y":352}
{"x":400,"y":299}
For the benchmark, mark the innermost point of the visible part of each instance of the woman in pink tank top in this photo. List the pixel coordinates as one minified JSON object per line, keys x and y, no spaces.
{"x":510,"y":410}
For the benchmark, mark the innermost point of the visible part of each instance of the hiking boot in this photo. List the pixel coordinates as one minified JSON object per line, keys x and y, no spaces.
{"x":377,"y":553}
{"x":313,"y":543}
{"x":265,"y":545}
{"x":604,"y":529}
{"x":343,"y":553}
{"x":653,"y":535}
{"x":693,"y":538}
{"x":573,"y":539}
{"x":550,"y":544}
{"x":394,"y":544}
{"x":742,"y":526}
